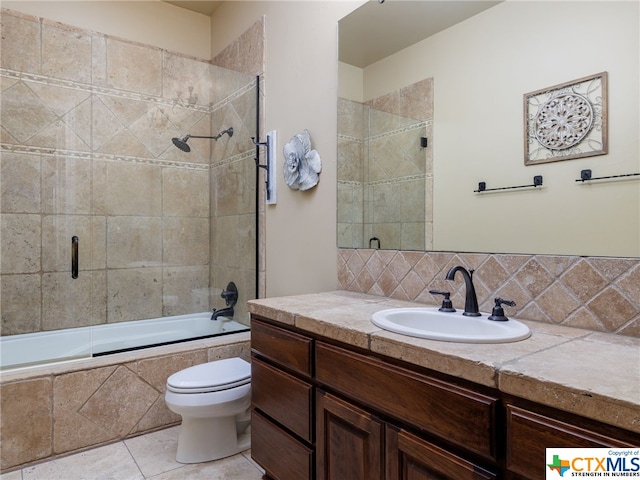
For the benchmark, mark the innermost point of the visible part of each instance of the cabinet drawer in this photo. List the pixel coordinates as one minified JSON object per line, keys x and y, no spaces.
{"x":289,"y":349}
{"x":529,"y":433}
{"x":283,"y":397}
{"x":409,"y":456}
{"x":283,"y":457}
{"x":456,"y":414}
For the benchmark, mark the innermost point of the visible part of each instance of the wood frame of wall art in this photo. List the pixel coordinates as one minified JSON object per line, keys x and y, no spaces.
{"x":566,"y":121}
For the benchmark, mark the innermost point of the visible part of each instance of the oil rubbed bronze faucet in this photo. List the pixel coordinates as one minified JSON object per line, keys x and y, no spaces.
{"x":230,"y":295}
{"x":471,"y":299}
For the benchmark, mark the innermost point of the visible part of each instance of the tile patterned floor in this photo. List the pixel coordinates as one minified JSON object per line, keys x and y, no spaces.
{"x":150,"y":456}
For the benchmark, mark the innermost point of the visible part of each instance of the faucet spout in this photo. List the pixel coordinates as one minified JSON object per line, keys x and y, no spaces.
{"x":223,"y":312}
{"x":471,"y":299}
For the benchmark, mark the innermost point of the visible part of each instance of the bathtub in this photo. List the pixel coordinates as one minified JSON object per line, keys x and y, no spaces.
{"x":82,"y":342}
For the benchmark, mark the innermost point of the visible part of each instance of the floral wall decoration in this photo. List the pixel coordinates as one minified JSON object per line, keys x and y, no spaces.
{"x":566,"y":121}
{"x":302,"y":165}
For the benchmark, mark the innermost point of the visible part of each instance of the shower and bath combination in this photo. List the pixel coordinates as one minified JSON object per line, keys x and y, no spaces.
{"x":181,"y":143}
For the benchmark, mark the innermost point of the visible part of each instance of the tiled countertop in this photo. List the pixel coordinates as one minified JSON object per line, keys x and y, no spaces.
{"x":591,"y":374}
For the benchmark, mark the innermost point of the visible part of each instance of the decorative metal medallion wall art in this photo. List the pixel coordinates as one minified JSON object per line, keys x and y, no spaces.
{"x":302,"y":165}
{"x":566,"y":121}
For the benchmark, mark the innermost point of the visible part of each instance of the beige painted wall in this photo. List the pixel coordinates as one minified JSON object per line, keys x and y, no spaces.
{"x":481,"y":69}
{"x":149,"y":22}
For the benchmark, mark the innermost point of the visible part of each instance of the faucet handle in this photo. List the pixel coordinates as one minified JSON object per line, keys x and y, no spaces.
{"x":498,"y":312}
{"x":447,"y":305}
{"x":230,"y":294}
{"x":501,"y":301}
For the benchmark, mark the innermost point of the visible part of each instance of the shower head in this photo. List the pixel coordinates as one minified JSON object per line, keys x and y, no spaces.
{"x":228,"y":131}
{"x":181,"y":143}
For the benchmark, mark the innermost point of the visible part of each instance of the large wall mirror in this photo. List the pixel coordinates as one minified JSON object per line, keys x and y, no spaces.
{"x":431,"y":104}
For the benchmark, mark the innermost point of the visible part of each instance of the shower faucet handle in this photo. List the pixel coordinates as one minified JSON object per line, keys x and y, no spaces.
{"x":230,"y":294}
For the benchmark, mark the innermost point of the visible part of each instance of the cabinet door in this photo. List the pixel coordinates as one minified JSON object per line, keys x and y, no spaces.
{"x":349,"y":441}
{"x":412,"y":458}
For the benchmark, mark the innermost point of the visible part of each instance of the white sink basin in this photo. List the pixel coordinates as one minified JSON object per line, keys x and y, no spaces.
{"x":449,"y":326}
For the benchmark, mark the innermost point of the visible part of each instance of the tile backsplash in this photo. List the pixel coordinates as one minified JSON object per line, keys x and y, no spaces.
{"x":594,"y":293}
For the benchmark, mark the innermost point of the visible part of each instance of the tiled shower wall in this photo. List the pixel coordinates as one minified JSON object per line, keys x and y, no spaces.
{"x":55,"y":410}
{"x":385,"y":176}
{"x":594,"y":293}
{"x":87,"y":121}
{"x":233,"y":179}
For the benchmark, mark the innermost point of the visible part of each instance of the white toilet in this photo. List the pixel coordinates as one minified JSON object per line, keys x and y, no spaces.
{"x":214,"y":400}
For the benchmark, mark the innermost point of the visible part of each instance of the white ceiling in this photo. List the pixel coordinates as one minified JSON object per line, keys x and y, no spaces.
{"x":376,"y":30}
{"x":205,"y":7}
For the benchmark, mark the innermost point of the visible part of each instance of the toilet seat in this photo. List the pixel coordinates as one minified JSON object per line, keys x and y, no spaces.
{"x":211,"y":377}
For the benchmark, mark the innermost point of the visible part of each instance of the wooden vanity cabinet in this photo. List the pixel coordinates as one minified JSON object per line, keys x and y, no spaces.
{"x":327,"y":411}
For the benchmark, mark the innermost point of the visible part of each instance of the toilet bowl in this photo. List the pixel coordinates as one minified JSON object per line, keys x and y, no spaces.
{"x":214,"y":400}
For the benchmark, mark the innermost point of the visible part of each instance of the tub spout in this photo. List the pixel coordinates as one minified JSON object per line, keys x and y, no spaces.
{"x":223,"y":312}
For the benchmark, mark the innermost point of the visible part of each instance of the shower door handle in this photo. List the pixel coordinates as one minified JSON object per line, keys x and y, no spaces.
{"x":74,"y":257}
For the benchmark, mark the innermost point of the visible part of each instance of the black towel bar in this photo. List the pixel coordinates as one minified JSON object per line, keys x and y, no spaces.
{"x":585,"y":175}
{"x":482,"y":186}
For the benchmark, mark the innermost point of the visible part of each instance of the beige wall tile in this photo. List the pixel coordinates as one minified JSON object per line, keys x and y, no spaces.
{"x":185,"y":290}
{"x":21,"y":304}
{"x":24,"y":114}
{"x":127,"y":189}
{"x":26,"y":421}
{"x":186,"y":241}
{"x":246,"y":53}
{"x":134,"y":67}
{"x":591,"y":293}
{"x":228,"y":248}
{"x":186,"y":80}
{"x":67,"y":302}
{"x":20,"y":190}
{"x":156,"y":370}
{"x":185,"y":192}
{"x":66,"y":185}
{"x":134,"y":294}
{"x":20,"y":249}
{"x":21,"y":45}
{"x":71,"y":429}
{"x":134,"y":242}
{"x":120,"y":402}
{"x":66,"y":53}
